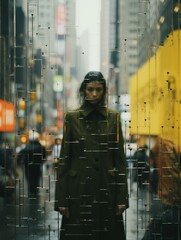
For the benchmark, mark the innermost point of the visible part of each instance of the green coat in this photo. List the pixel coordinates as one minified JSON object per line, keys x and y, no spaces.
{"x":91,"y":177}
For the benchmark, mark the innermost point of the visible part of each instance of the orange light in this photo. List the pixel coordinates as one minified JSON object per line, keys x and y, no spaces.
{"x":21,"y":122}
{"x":22,"y":104}
{"x":23,"y":139}
{"x":33,"y":96}
{"x":39,"y":118}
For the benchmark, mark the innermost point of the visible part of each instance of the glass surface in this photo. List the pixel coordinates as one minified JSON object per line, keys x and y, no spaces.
{"x":46,"y":49}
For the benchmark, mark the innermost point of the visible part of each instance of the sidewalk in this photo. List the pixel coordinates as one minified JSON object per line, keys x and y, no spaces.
{"x":137,"y":214}
{"x":35,"y":219}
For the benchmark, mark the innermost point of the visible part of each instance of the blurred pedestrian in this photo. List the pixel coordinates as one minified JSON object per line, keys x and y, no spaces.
{"x":6,"y":159}
{"x":91,"y":189}
{"x":56,"y":150}
{"x":142,"y":166}
{"x":32,"y":156}
{"x":153,"y":172}
{"x":7,"y":170}
{"x":166,"y":208}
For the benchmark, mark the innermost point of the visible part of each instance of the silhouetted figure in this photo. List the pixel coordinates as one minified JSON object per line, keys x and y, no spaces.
{"x":142,"y":165}
{"x":166,"y":207}
{"x":7,"y":170}
{"x":32,"y":156}
{"x":6,"y":158}
{"x":154,"y":178}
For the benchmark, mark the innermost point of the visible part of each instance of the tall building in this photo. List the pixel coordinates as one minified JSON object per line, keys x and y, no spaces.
{"x":109,"y":44}
{"x":129,"y":32}
{"x":7,"y":68}
{"x":70,"y":62}
{"x":70,"y":38}
{"x":105,"y":38}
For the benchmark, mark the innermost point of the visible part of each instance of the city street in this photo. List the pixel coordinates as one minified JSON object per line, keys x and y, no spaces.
{"x":33,"y":218}
{"x":30,"y":217}
{"x":85,"y":78}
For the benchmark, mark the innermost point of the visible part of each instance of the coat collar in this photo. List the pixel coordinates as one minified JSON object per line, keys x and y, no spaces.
{"x":88,"y":108}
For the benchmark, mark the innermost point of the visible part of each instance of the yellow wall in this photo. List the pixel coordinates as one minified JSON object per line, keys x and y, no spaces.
{"x":155,"y":92}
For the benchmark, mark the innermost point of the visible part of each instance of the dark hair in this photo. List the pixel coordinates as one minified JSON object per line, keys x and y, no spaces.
{"x":90,"y":77}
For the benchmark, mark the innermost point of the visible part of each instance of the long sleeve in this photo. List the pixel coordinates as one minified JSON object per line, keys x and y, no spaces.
{"x":120,"y":161}
{"x":63,"y":167}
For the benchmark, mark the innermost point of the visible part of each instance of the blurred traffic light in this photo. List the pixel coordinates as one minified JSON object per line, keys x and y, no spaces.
{"x":22,"y":104}
{"x":22,"y":122}
{"x":39,"y":118}
{"x":33,"y":96}
{"x":21,"y":112}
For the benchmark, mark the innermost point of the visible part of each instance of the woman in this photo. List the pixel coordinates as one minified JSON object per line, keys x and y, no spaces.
{"x":91,"y":190}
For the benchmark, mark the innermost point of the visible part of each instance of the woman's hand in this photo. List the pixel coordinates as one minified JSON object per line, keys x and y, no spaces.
{"x":64,"y":211}
{"x":120,"y":209}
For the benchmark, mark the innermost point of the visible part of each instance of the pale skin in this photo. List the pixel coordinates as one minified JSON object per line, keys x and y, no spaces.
{"x":94,"y":92}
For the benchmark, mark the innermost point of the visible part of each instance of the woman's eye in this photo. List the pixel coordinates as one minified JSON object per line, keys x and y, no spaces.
{"x":96,"y":89}
{"x":99,"y":89}
{"x":90,"y":89}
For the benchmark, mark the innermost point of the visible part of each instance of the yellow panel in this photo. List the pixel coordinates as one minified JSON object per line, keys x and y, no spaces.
{"x":155,"y":93}
{"x":144,"y":91}
{"x":170,"y":78}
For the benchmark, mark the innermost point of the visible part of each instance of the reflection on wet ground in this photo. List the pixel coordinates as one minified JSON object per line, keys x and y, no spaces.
{"x":30,"y":218}
{"x":138,"y":214}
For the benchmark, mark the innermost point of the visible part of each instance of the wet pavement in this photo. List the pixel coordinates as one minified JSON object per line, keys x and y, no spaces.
{"x":30,"y":218}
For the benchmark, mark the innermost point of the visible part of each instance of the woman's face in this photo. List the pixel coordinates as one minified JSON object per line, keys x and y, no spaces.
{"x":94,"y":92}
